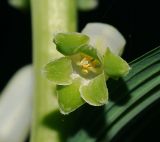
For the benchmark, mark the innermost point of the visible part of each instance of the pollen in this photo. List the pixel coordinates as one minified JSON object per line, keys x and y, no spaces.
{"x":87,"y":64}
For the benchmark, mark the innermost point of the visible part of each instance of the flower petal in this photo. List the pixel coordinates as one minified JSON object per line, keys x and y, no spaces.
{"x":68,"y":43}
{"x":115,"y":66}
{"x":69,"y":98}
{"x":103,"y":36}
{"x":89,"y":51}
{"x":59,"y":71}
{"x":95,"y":91}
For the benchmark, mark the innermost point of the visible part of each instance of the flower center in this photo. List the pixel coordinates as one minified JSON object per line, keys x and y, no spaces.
{"x":87,"y":64}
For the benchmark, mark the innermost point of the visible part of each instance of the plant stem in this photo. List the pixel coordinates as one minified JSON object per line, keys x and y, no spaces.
{"x":48,"y":17}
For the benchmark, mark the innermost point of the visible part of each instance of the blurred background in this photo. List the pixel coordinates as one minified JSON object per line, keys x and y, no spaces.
{"x":137,"y":20}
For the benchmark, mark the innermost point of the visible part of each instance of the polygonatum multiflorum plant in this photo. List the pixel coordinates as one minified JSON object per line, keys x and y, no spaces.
{"x":81,"y":74}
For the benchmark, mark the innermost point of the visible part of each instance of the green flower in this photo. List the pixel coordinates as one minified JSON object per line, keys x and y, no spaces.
{"x":81,"y":74}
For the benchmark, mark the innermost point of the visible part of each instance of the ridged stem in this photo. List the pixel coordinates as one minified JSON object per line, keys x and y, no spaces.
{"x":48,"y":17}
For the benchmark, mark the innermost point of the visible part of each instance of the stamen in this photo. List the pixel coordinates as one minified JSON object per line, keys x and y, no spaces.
{"x":85,"y":71}
{"x":87,"y":65}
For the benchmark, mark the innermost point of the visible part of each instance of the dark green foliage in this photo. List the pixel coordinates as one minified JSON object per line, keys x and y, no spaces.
{"x":130,"y":109}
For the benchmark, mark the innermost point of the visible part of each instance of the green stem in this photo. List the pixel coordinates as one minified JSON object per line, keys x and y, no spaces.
{"x":48,"y":17}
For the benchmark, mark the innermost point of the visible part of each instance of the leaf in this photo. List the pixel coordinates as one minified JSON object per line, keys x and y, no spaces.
{"x":59,"y":71}
{"x":69,"y":98}
{"x":95,"y":92}
{"x":131,"y":100}
{"x":143,"y":85}
{"x":115,"y":66}
{"x":69,"y":43}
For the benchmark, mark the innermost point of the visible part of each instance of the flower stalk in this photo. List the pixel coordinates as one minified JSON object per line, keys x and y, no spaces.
{"x":48,"y":17}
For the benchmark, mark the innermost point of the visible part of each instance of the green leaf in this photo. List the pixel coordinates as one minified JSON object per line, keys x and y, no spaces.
{"x":143,"y":85}
{"x":69,"y":98}
{"x":115,"y":66}
{"x":59,"y":71}
{"x":69,"y":43}
{"x":134,"y":99}
{"x":95,"y":91}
